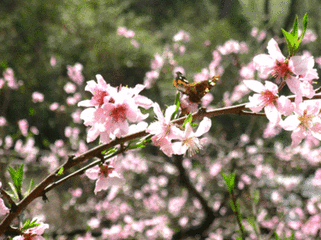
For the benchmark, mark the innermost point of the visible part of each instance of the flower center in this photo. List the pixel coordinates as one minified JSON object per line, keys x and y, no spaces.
{"x":28,"y":236}
{"x":281,"y":69}
{"x":105,"y":170}
{"x":98,"y":97}
{"x":193,"y":145}
{"x":119,"y":113}
{"x":306,"y":120}
{"x":268,"y":97}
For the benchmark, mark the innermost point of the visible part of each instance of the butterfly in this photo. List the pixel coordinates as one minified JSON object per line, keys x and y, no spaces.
{"x":196,"y":90}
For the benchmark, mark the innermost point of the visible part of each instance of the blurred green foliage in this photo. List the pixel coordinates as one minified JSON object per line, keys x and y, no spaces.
{"x":85,"y":31}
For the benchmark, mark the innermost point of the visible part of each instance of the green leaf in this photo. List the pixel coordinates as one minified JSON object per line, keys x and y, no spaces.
{"x":291,"y":42}
{"x":276,"y":236}
{"x":17,"y":177}
{"x":292,"y":38}
{"x":305,"y":24}
{"x":109,"y":151}
{"x":256,"y":196}
{"x":61,"y":171}
{"x":137,"y":146}
{"x":31,"y":184}
{"x":14,"y":191}
{"x":229,"y":181}
{"x":188,"y":119}
{"x":251,"y":221}
{"x":177,"y":103}
{"x":295,"y":28}
{"x":29,"y":224}
{"x":232,"y":206}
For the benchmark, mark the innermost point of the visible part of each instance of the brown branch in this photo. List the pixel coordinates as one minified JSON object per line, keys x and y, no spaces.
{"x":208,"y":212}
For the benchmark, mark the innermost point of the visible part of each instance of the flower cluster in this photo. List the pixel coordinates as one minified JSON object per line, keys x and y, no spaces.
{"x":109,"y":114}
{"x":302,"y":117}
{"x":112,"y":109}
{"x":171,"y":139}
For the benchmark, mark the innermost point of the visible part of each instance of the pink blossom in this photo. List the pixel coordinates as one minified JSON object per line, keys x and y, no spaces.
{"x":93,"y":223}
{"x":3,"y":121}
{"x":247,"y":72}
{"x":134,"y":43}
{"x":157,"y":62}
{"x":113,"y":109}
{"x":54,"y":106}
{"x":70,"y":87}
{"x":150,"y":79}
{"x":301,"y":85}
{"x":268,"y":99}
{"x":271,"y":130}
{"x":129,"y":33}
{"x":178,"y":69}
{"x":312,"y":226}
{"x":215,"y":168}
{"x":8,"y":142}
{"x":28,"y":151}
{"x":75,"y":73}
{"x":231,"y":46}
{"x":278,"y":66}
{"x":53,"y":61}
{"x":309,"y":36}
{"x":176,"y":204}
{"x":74,"y":99}
{"x":238,"y":92}
{"x":317,"y":178}
{"x":3,"y":209}
{"x":75,"y":192}
{"x":206,"y":100}
{"x":37,"y":97}
{"x":189,"y":140}
{"x":254,"y":31}
{"x":23,"y":126}
{"x":273,"y":63}
{"x":121,"y":31}
{"x":33,"y":233}
{"x":207,"y":43}
{"x":8,"y":76}
{"x":100,"y":91}
{"x":187,"y":106}
{"x":261,"y":36}
{"x":124,"y":109}
{"x":181,"y":36}
{"x":244,"y":48}
{"x":86,"y":237}
{"x":203,"y":75}
{"x":105,"y":175}
{"x":305,"y":121}
{"x":164,"y":131}
{"x":181,"y":50}
{"x":34,"y":130}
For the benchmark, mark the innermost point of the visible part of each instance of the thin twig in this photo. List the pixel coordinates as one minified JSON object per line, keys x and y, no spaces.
{"x":7,"y":196}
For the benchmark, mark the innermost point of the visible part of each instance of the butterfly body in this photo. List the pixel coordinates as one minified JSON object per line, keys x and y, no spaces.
{"x":195,"y":90}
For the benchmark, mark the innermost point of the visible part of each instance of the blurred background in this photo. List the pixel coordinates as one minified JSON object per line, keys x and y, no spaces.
{"x":44,"y":43}
{"x":32,"y":32}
